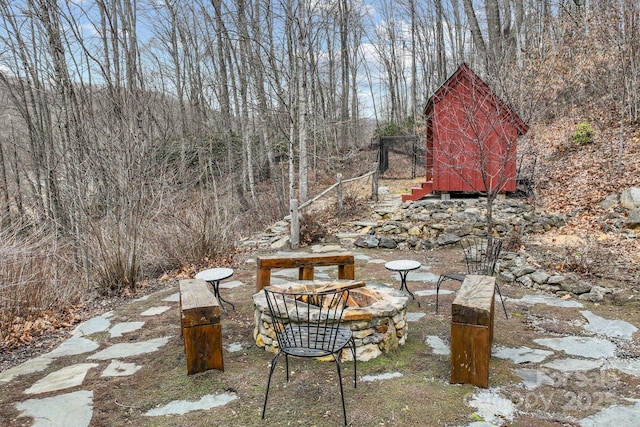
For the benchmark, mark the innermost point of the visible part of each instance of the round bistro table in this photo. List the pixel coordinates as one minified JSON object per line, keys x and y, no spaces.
{"x":403,"y":267}
{"x":213,"y":276}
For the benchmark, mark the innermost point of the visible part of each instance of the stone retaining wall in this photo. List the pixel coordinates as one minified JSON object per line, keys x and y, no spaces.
{"x":517,"y":267}
{"x":433,"y":222}
{"x":429,"y":222}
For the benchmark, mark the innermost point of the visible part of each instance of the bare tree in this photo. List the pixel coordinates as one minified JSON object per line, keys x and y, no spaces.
{"x":479,"y":150}
{"x":302,"y":27}
{"x":390,"y":53}
{"x":440,"y":46}
{"x":264,"y":113}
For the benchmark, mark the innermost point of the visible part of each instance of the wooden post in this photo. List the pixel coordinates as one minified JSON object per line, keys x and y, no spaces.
{"x":339,"y":191}
{"x":472,"y":331}
{"x":200,"y":325}
{"x":374,"y":183}
{"x":295,"y":224}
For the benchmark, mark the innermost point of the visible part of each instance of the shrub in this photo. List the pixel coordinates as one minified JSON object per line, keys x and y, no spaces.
{"x":583,"y":134}
{"x":387,"y":129}
{"x":39,"y":288}
{"x":316,"y":225}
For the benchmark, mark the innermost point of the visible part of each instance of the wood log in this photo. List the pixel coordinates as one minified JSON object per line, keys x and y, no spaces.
{"x":321,"y":286}
{"x":200,"y":324}
{"x":472,"y":331}
{"x":340,"y":286}
{"x":473,"y":304}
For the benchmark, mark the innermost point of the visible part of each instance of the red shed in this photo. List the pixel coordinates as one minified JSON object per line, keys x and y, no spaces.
{"x":471,"y":138}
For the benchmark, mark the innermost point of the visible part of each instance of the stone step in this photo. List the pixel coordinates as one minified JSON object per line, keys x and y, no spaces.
{"x":389,"y":204}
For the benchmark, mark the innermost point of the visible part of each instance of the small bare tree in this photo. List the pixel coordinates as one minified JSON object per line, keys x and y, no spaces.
{"x":479,"y":152}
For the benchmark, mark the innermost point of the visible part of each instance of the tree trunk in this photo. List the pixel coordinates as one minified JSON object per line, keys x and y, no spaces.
{"x":301,"y":80}
{"x":476,"y":34}
{"x":440,"y":46}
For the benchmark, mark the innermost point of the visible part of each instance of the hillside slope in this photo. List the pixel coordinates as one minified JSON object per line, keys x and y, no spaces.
{"x":574,"y":177}
{"x":573,"y":180}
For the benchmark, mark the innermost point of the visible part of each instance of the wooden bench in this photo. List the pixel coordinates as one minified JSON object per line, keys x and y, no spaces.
{"x":305,"y":263}
{"x":200,"y":324}
{"x":472,"y":331}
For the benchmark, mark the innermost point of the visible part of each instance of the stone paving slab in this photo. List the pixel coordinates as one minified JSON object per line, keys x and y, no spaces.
{"x":179,"y":407}
{"x":38,"y":364}
{"x":549,"y":300}
{"x":614,"y":416}
{"x":491,"y":407}
{"x":91,"y":326}
{"x":414,"y":317}
{"x":118,"y":368}
{"x":172,"y":298}
{"x":611,"y":328}
{"x":438,"y":346}
{"x":232,"y":284}
{"x":125,"y":327}
{"x":573,"y":365}
{"x":234,"y":347}
{"x":533,"y":378}
{"x":593,"y":348}
{"x":122,"y":350}
{"x":422,"y":276}
{"x":377,"y":261}
{"x":432,"y":292}
{"x":154,"y":311}
{"x":380,"y":377}
{"x":67,"y":377}
{"x":65,"y":410}
{"x":522,"y":354}
{"x":73,"y":346}
{"x":630,"y":367}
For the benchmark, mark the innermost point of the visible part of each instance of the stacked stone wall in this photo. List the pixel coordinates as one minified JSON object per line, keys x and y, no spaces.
{"x":434,"y":222}
{"x":377,"y":329}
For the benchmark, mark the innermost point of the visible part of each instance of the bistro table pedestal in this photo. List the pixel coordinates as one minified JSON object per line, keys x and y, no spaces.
{"x":213,"y":276}
{"x":403,"y":267}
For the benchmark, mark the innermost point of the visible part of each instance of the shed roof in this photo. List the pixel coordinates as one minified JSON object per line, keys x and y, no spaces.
{"x":479,"y":85}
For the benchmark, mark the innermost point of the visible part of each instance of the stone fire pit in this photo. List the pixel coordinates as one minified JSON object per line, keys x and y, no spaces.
{"x":378,"y":322}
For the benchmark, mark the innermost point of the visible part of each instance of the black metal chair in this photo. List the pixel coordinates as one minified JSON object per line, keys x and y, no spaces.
{"x":307,"y":324}
{"x":480,"y":255}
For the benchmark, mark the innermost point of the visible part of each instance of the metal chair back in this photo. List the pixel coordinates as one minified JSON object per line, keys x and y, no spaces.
{"x":308,"y":324}
{"x":481,"y":254}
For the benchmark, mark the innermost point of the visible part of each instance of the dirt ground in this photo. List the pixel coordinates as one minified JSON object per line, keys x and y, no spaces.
{"x":421,"y":396}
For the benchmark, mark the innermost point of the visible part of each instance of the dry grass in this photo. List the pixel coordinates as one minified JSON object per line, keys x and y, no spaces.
{"x":38,"y":290}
